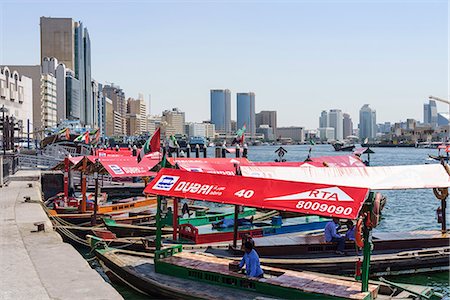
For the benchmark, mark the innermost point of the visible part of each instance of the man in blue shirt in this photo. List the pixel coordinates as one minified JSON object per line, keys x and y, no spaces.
{"x":251,"y":262}
{"x":350,"y":235}
{"x":331,"y":236}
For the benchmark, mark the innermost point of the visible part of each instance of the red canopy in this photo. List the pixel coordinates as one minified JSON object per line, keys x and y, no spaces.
{"x":127,"y":166}
{"x":339,"y":161}
{"x":307,"y":198}
{"x":109,"y":152}
{"x":208,"y":165}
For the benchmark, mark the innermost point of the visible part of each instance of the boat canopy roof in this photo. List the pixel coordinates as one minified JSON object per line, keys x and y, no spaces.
{"x":339,"y":161}
{"x":330,"y":200}
{"x":375,"y":178}
{"x":363,"y":150}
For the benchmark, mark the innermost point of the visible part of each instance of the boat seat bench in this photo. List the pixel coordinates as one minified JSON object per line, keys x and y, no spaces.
{"x":307,"y":282}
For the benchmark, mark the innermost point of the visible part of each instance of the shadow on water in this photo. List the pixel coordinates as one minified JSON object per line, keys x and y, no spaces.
{"x":404,"y":211}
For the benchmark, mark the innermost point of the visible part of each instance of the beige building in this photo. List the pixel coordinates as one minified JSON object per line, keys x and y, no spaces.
{"x":109,"y":117}
{"x":44,"y":97}
{"x":16,"y":95}
{"x":172,"y":122}
{"x":153,"y":122}
{"x":136,"y":116}
{"x":267,"y":117}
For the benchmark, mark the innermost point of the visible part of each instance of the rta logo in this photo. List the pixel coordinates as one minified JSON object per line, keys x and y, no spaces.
{"x":165,"y":183}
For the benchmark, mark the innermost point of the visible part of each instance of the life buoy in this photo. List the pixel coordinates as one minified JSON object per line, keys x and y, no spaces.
{"x":359,"y":240}
{"x":374,"y":216}
{"x":441,"y":193}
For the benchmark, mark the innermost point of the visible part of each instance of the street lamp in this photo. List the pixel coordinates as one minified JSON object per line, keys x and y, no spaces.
{"x":446,"y":102}
{"x":4,"y":110}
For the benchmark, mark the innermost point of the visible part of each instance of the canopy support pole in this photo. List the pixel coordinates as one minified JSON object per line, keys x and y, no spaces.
{"x":444,"y":219}
{"x":175,"y":219}
{"x":66,"y":178}
{"x":94,"y":221}
{"x":366,"y":258}
{"x":158,"y":214}
{"x":83,"y":185}
{"x":235,"y":226}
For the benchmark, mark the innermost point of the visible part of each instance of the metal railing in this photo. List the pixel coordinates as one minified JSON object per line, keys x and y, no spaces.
{"x":9,"y":165}
{"x":41,"y":162}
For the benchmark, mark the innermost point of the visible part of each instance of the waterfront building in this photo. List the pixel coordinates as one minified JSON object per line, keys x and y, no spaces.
{"x":172,"y":122}
{"x":153,"y":122}
{"x":73,"y":96}
{"x":443,"y":119}
{"x":16,"y":95}
{"x":336,"y":121}
{"x":221,"y":110}
{"x":294,"y":132}
{"x":69,"y":42}
{"x":267,"y":117}
{"x":367,"y":123}
{"x":347,"y":125}
{"x":108,"y":117}
{"x":206,"y":130}
{"x":430,"y":114}
{"x":99,"y":100}
{"x":267,"y":131}
{"x":44,"y":96}
{"x":384,"y":127}
{"x":323,"y":119}
{"x":246,"y":112}
{"x":117,"y":96}
{"x":327,"y":134}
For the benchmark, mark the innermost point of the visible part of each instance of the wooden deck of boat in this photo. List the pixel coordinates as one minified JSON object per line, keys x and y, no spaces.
{"x":142,"y":265}
{"x":304,"y":281}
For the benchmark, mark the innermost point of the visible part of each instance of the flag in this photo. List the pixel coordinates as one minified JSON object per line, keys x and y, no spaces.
{"x":83,"y":138}
{"x":64,"y":133}
{"x":153,"y":144}
{"x":240,"y":135}
{"x":96,"y":134}
{"x":311,"y":142}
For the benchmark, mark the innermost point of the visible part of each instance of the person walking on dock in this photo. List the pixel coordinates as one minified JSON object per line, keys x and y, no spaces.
{"x":331,"y":236}
{"x":251,"y":261}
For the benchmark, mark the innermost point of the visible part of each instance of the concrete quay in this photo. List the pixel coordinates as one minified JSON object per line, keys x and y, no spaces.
{"x":39,"y":265}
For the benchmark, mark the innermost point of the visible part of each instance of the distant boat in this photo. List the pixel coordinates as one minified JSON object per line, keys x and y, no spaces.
{"x":339,"y":146}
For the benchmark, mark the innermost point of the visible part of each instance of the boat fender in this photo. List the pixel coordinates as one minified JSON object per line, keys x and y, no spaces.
{"x":359,"y":241}
{"x":441,"y":193}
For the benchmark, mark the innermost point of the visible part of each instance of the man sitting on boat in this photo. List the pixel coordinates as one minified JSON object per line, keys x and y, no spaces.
{"x":350,"y":234}
{"x":226,"y":223}
{"x":331,"y":236}
{"x":251,"y":261}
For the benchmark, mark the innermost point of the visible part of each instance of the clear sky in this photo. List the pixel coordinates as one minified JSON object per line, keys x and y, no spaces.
{"x":299,"y":57}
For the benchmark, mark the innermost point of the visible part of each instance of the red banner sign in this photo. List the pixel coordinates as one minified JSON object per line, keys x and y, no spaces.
{"x":306,"y":198}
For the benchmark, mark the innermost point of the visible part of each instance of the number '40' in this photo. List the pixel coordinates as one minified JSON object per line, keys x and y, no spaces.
{"x":244,"y":193}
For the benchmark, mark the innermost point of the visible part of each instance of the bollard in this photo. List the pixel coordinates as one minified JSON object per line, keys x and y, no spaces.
{"x":197,"y":150}
{"x":188,"y":151}
{"x":205,"y":154}
{"x":245,"y":152}
{"x":218,"y":153}
{"x":238,"y":151}
{"x":224,"y":151}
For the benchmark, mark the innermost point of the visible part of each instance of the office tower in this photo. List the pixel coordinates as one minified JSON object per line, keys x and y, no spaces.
{"x":220,"y":103}
{"x":367,"y":123}
{"x":69,"y":42}
{"x":430,"y":114}
{"x":16,"y":95}
{"x":267,"y":117}
{"x":335,"y":120}
{"x":323,"y":119}
{"x":246,"y":112}
{"x":136,"y":116}
{"x":347,"y":126}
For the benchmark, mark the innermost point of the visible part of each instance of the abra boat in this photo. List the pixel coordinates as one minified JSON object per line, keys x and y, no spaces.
{"x":339,"y":146}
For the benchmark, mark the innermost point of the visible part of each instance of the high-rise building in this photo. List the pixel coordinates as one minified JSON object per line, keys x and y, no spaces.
{"x":367,"y":123}
{"x":73,"y":96}
{"x":267,"y":117}
{"x":172,"y":122}
{"x":347,"y":126}
{"x":117,"y":96}
{"x":246,"y":112}
{"x":336,"y":120}
{"x":430,"y":114}
{"x":108,"y":117}
{"x":327,"y":134}
{"x":16,"y":95}
{"x":221,"y":110}
{"x":323,"y":119}
{"x":136,"y":116}
{"x":200,"y":129}
{"x":68,"y":41}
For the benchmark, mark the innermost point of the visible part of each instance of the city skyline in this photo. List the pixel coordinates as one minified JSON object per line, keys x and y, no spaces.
{"x":288,"y":63}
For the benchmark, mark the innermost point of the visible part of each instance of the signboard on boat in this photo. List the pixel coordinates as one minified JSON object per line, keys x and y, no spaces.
{"x":307,"y":198}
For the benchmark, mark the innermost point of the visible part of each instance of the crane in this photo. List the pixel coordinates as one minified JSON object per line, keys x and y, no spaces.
{"x":447,"y":102}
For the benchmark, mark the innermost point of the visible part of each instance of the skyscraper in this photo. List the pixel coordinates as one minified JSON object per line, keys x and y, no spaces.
{"x":246,"y":112}
{"x":347,"y":125}
{"x":68,"y":41}
{"x":335,"y":120}
{"x":221,"y":110}
{"x":367,"y":123}
{"x":323,"y":119}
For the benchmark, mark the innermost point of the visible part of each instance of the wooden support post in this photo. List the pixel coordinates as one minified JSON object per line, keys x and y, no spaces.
{"x":83,"y":185}
{"x":235,"y":226}
{"x":444,"y":219}
{"x":188,"y":151}
{"x":205,"y":153}
{"x":245,"y":152}
{"x":94,"y":221}
{"x":218,"y":153}
{"x":66,"y":178}
{"x":238,"y":151}
{"x":224,"y":151}
{"x":175,"y":219}
{"x":197,"y":150}
{"x":158,"y":223}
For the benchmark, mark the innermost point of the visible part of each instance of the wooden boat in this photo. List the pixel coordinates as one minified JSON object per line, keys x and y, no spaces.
{"x":186,"y":275}
{"x":338,"y":146}
{"x":439,"y":157}
{"x":205,"y":234}
{"x":102,"y":238}
{"x":126,"y":230}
